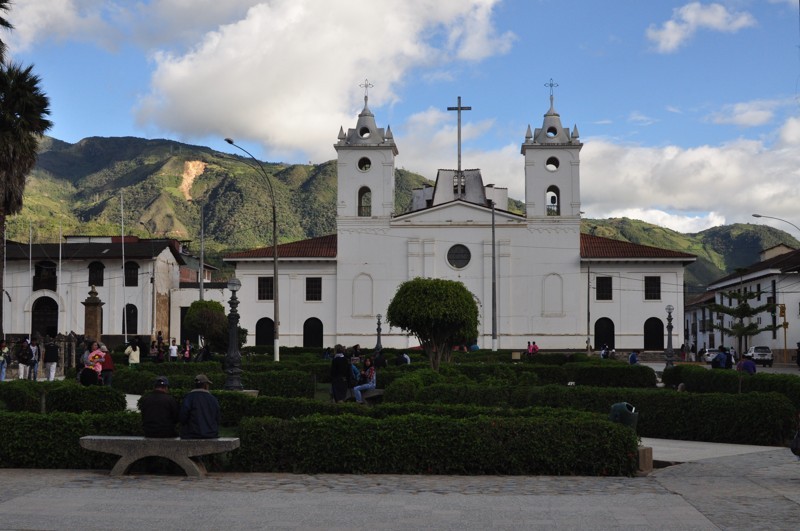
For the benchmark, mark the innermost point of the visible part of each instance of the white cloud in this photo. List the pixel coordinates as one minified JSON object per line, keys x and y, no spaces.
{"x":40,"y":20}
{"x":747,"y":114}
{"x":641,"y":119}
{"x":687,"y":20}
{"x":259,"y":78}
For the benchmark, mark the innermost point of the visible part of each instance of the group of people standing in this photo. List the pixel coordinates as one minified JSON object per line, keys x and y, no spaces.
{"x":161,"y":352}
{"x":29,"y":356}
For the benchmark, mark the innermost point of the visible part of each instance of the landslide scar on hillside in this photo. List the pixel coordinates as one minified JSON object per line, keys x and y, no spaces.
{"x":191,"y":170}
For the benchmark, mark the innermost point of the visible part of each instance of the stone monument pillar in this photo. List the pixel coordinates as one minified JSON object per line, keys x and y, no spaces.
{"x":93,"y":315}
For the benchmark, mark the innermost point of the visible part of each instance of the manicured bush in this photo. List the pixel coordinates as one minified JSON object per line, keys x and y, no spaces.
{"x":437,"y":445}
{"x":30,"y":440}
{"x":610,"y":374}
{"x":702,"y":380}
{"x":65,"y":396}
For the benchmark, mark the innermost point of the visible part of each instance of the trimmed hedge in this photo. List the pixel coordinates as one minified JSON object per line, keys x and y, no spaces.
{"x":64,"y":396}
{"x":437,"y":445}
{"x":30,"y":440}
{"x":610,"y":374}
{"x":701,"y":380}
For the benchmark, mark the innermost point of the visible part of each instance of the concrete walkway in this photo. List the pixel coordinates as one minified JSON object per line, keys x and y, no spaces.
{"x":741,"y":488}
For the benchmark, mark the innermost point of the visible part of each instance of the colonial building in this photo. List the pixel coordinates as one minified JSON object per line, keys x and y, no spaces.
{"x":774,"y":280}
{"x":554,"y":285}
{"x":46,"y":284}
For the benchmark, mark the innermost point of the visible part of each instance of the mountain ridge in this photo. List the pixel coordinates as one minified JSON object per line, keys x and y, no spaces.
{"x":77,"y":189}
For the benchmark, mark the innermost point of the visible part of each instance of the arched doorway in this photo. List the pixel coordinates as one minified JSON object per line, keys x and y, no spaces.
{"x":312,"y":332}
{"x":604,"y":333}
{"x":654,"y":334}
{"x":44,"y":320}
{"x":265,"y":331}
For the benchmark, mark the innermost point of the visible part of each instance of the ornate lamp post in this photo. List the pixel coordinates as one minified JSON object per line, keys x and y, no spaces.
{"x":233,"y":359}
{"x":276,"y":305}
{"x":378,"y":345}
{"x":670,"y":354}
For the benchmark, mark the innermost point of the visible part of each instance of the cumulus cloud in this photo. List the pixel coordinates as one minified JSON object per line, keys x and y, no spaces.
{"x":747,"y":114}
{"x":687,"y":20}
{"x":60,"y":19}
{"x":259,"y":77}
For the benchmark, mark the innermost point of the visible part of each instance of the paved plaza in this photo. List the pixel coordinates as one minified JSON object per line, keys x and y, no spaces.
{"x":744,"y":487}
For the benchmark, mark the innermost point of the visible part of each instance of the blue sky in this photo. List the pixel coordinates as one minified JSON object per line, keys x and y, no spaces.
{"x":688,"y":110}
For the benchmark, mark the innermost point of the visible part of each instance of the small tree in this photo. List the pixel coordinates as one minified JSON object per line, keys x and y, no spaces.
{"x":439,"y":313}
{"x":744,"y":323}
{"x":207,"y":318}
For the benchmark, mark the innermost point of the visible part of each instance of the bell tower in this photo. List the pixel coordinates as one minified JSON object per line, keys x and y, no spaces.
{"x":365,"y":168}
{"x":552,"y":168}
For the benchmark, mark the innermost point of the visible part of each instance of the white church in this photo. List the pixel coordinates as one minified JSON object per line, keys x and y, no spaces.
{"x":554,"y":285}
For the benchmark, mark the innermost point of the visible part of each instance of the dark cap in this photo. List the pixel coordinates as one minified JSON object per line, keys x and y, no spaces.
{"x":161,"y":381}
{"x":202,"y":379}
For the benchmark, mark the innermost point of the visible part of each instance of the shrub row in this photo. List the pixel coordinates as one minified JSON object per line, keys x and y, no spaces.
{"x":30,"y":440}
{"x":272,"y":383}
{"x":437,"y":445}
{"x":64,"y":396}
{"x":701,"y":380}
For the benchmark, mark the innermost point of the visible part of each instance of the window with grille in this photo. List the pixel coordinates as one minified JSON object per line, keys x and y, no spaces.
{"x":96,"y":270}
{"x":652,"y":288}
{"x":604,"y":286}
{"x":131,"y":274}
{"x":314,"y":289}
{"x":266,"y":288}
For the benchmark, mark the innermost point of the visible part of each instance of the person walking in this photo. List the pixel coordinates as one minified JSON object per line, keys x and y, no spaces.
{"x":5,"y":357}
{"x":36,"y":356}
{"x":199,"y":415}
{"x":106,"y":366}
{"x":51,"y":352}
{"x":134,"y":353}
{"x":24,"y":357}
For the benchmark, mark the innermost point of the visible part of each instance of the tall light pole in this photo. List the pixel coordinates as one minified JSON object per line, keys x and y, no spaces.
{"x":779,"y":219}
{"x":275,"y":300}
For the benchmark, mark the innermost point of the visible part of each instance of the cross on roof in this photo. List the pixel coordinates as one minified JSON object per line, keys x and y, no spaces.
{"x":366,"y":85}
{"x":459,"y":108}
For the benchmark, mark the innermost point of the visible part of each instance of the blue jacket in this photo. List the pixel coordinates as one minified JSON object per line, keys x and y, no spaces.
{"x":199,"y":415}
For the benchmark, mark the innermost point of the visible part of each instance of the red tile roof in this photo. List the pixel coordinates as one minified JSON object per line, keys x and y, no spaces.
{"x":321,"y":247}
{"x":591,"y":247}
{"x":598,"y":247}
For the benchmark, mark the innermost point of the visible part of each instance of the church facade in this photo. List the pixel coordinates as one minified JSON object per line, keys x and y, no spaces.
{"x":553,"y":285}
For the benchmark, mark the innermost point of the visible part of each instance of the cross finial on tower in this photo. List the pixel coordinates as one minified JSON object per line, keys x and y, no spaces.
{"x":366,"y":85}
{"x":552,"y":84}
{"x":459,"y":108}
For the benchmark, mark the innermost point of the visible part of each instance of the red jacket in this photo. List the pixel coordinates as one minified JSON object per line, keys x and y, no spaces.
{"x":108,"y":362}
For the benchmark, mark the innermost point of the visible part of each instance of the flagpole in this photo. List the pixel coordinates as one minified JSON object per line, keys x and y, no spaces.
{"x":124,"y":300}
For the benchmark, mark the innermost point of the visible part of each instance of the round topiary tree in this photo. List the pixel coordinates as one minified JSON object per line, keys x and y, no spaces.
{"x":439,"y":313}
{"x":207,"y":318}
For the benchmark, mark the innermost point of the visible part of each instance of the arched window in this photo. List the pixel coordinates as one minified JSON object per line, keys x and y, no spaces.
{"x":96,"y":270}
{"x":130,"y":321}
{"x":553,"y":201}
{"x":45,"y":276}
{"x":364,"y":202}
{"x":131,"y":274}
{"x":44,"y":318}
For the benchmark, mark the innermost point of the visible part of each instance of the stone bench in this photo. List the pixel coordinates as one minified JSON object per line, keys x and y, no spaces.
{"x":370,"y":396}
{"x":181,"y":451}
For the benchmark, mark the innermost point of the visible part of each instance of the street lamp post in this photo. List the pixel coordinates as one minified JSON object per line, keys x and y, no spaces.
{"x":276,"y":303}
{"x":233,"y":358}
{"x":670,"y":354}
{"x":779,"y":219}
{"x":378,"y":345}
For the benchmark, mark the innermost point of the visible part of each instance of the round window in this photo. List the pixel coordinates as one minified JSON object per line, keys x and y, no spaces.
{"x":458,"y":256}
{"x":363,"y":132}
{"x":552,"y":164}
{"x":364,"y":164}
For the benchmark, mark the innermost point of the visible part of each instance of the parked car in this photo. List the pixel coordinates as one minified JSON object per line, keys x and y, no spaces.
{"x":710,"y":355}
{"x":762,"y":355}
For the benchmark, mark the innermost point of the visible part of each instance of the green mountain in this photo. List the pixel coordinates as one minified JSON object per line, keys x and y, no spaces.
{"x":77,"y":189}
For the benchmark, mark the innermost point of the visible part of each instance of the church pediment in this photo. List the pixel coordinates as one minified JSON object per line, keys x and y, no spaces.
{"x":455,"y":212}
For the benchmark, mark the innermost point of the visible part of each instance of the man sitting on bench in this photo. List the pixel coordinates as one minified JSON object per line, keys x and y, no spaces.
{"x":199,"y":415}
{"x":159,"y":411}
